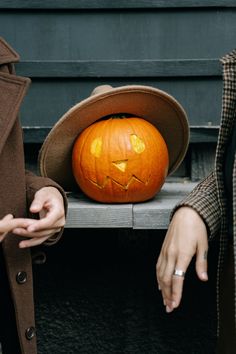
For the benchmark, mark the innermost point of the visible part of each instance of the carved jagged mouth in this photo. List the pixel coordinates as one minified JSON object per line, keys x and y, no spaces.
{"x":125,"y":187}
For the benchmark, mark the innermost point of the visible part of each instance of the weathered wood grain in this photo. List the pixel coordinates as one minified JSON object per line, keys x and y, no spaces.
{"x":85,"y":213}
{"x":119,"y":68}
{"x":202,"y":160}
{"x":154,"y":214}
{"x":174,"y":34}
{"x":112,"y":4}
{"x":51,"y":98}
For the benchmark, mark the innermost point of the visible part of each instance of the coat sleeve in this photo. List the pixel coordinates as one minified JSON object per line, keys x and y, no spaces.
{"x":33,"y":184}
{"x":203,"y":199}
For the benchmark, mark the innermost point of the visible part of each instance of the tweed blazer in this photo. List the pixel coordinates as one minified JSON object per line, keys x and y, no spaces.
{"x":209,"y":197}
{"x":17,"y":190}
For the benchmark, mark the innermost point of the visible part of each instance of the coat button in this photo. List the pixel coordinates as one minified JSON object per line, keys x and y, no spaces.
{"x":30,"y":333}
{"x":21,"y":277}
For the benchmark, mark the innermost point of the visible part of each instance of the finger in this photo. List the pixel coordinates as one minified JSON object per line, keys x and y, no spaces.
{"x":8,"y":223}
{"x":2,"y":236}
{"x":166,"y":285}
{"x":38,"y":203}
{"x":158,"y":270}
{"x":53,"y":217}
{"x":178,"y":281}
{"x":160,"y":267}
{"x":33,"y":241}
{"x":177,"y":290}
{"x":7,"y":217}
{"x":4,"y":228}
{"x":48,"y":223}
{"x":23,"y":232}
{"x":4,"y":219}
{"x":165,"y":267}
{"x":201,"y":262}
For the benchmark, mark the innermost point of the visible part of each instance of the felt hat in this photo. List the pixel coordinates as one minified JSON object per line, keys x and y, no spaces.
{"x":152,"y":104}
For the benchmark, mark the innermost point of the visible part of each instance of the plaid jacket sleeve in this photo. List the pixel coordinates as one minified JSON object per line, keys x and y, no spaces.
{"x":204,"y":200}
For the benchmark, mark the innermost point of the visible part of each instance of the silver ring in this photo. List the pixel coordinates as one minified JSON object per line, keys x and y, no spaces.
{"x":179,"y":273}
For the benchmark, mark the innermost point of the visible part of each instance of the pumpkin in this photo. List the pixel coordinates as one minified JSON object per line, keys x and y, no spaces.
{"x":120,"y":160}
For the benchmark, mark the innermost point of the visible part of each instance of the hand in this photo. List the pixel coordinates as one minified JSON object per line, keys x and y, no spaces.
{"x":48,"y":203}
{"x":186,"y":236}
{"x":8,"y":223}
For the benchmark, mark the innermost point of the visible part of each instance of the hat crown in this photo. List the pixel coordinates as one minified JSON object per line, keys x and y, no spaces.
{"x":101,"y":89}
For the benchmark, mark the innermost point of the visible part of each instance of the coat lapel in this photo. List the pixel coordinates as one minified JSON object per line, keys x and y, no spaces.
{"x":227,"y":123}
{"x":12,"y":92}
{"x":229,"y":101}
{"x":226,"y":126}
{"x":7,"y":54}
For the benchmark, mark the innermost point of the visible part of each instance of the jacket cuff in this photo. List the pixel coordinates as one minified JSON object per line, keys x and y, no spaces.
{"x":55,"y":238}
{"x":203,"y":199}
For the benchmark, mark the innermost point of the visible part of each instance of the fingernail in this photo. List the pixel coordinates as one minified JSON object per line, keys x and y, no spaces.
{"x":168,"y":309}
{"x":173,"y":303}
{"x":204,"y":275}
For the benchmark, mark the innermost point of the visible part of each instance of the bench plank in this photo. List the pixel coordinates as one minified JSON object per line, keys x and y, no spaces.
{"x":112,"y":4}
{"x":119,"y":68}
{"x":154,"y":214}
{"x":85,"y":213}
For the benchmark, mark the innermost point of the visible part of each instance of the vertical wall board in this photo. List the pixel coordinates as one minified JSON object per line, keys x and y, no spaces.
{"x":202,"y":160}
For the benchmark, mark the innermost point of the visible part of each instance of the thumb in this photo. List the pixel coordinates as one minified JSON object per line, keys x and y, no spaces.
{"x":37,"y":204}
{"x":201,"y":262}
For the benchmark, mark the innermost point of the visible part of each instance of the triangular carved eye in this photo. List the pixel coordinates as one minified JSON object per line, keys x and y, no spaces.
{"x":121,"y":165}
{"x":137,"y":143}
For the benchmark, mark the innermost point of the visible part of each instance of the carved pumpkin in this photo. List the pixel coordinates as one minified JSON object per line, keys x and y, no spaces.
{"x":120,"y":160}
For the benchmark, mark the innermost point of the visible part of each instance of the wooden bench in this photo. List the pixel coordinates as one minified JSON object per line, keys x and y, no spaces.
{"x":154,"y":214}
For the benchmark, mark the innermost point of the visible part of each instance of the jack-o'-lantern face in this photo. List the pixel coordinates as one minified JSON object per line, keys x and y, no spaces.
{"x":120,"y":160}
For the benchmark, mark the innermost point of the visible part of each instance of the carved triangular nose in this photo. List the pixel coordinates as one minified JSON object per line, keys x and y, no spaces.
{"x":121,"y":165}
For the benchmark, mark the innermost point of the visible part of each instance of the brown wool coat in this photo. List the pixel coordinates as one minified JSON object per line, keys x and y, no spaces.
{"x":17,"y":189}
{"x":209,"y":200}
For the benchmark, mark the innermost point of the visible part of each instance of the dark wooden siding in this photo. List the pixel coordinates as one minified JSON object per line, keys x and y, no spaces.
{"x":69,"y":47}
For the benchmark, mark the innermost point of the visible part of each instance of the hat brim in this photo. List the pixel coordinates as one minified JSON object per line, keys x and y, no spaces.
{"x":154,"y":105}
